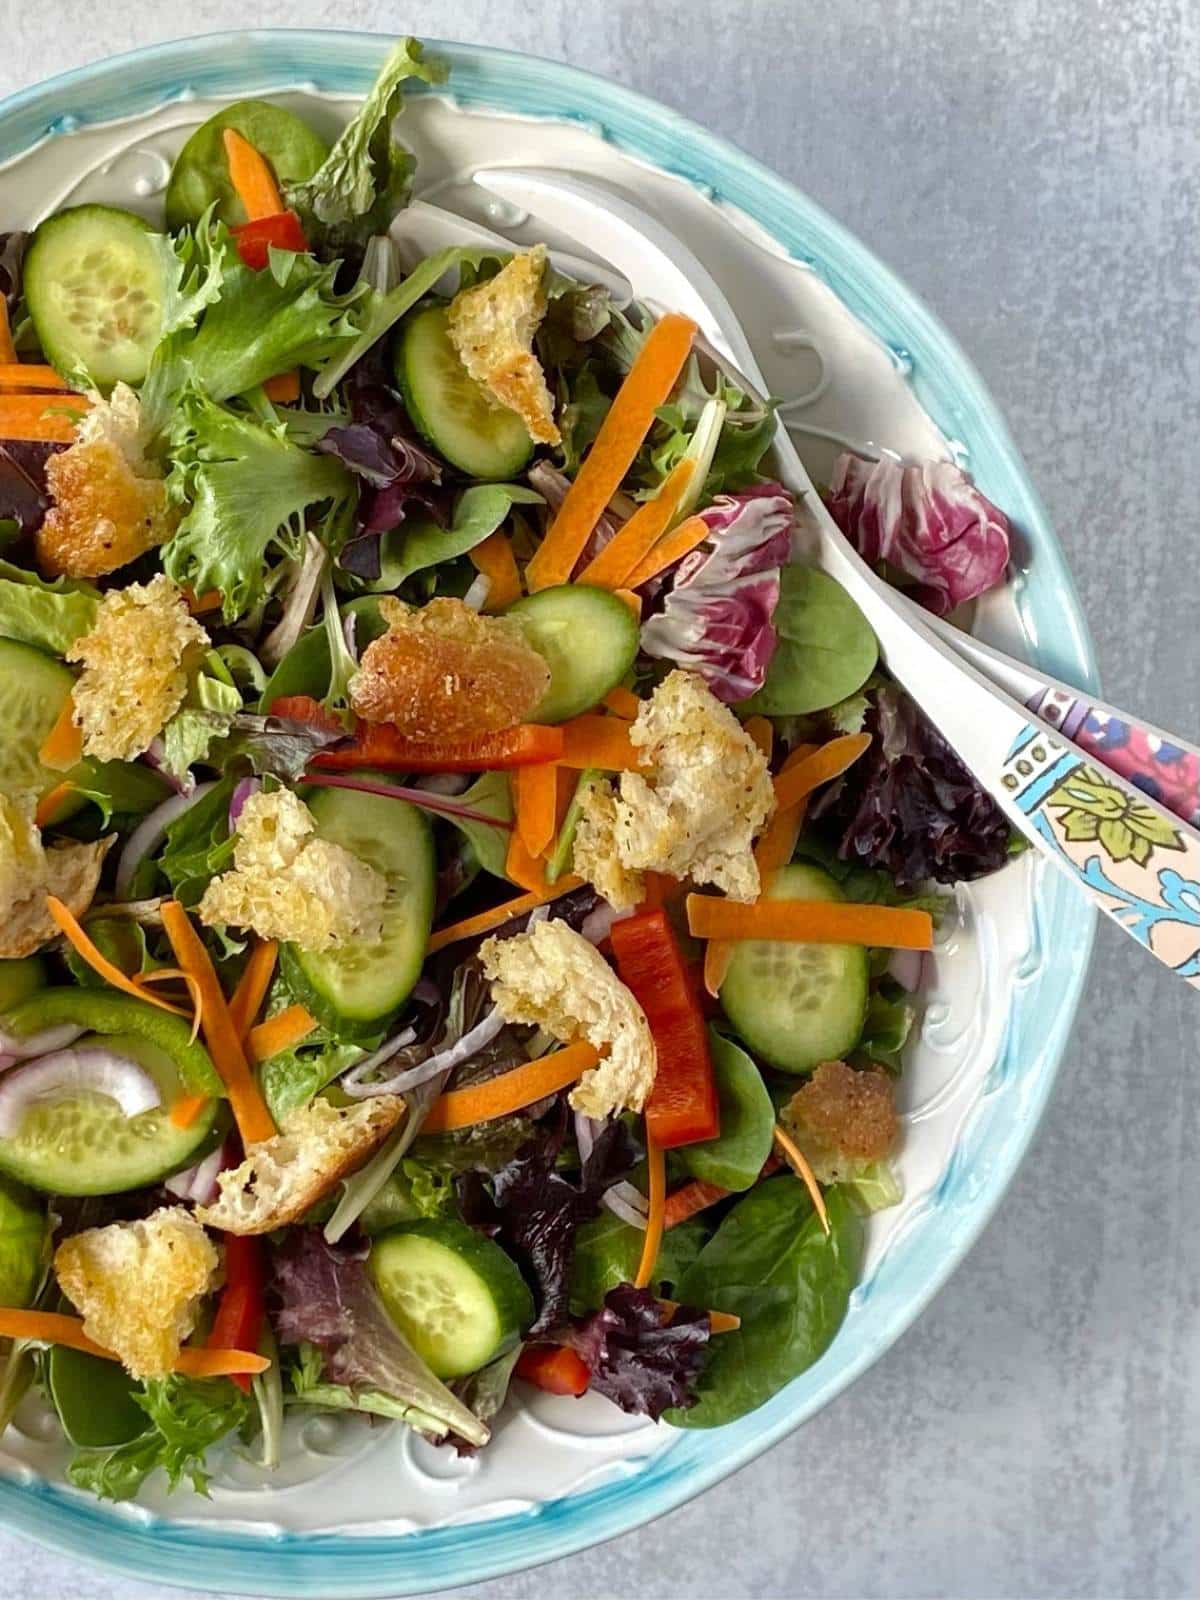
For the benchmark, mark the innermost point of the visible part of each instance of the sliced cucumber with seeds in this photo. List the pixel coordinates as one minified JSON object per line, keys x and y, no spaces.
{"x":797,"y":1004}
{"x":33,"y":690}
{"x":454,"y":413}
{"x":453,"y":1293}
{"x":94,"y":284}
{"x":589,"y":638}
{"x":355,"y":989}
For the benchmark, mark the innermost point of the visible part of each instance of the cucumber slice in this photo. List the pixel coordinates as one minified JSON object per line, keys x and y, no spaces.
{"x":94,"y":284}
{"x":454,"y":413}
{"x":19,"y":979}
{"x":354,"y":990}
{"x":797,"y":1004}
{"x":33,"y":690}
{"x":83,"y":1144}
{"x":589,"y":638}
{"x":200,"y":175}
{"x":453,"y":1293}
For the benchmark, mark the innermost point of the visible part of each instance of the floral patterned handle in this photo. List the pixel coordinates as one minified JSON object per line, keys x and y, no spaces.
{"x":1141,"y":864}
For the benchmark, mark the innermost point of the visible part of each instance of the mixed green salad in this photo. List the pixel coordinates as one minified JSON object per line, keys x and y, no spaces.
{"x":462,"y":884}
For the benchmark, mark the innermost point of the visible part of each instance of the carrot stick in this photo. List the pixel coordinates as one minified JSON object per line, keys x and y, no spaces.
{"x":511,"y":1091}
{"x":66,"y":923}
{"x":495,"y":559}
{"x":26,"y":375}
{"x":647,"y":385}
{"x":284,"y":388}
{"x":622,"y":703}
{"x":656,"y":1170}
{"x":688,"y":1200}
{"x":279,"y":1032}
{"x":596,"y":741}
{"x":55,"y":1327}
{"x":253,"y":985}
{"x":523,"y":868}
{"x":671,"y":548}
{"x":173,"y":975}
{"x":62,"y":747}
{"x":762,"y":732}
{"x":251,"y":177}
{"x":198,"y":604}
{"x":633,"y":543}
{"x":718,"y":1321}
{"x":798,"y":1161}
{"x":825,"y":764}
{"x":186,"y":1109}
{"x":16,"y":408}
{"x":485,"y":921}
{"x":47,"y":807}
{"x":8,"y":350}
{"x":535,"y":793}
{"x":249,"y":1110}
{"x":809,"y":922}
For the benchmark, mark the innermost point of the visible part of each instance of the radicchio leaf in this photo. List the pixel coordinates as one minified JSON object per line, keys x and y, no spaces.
{"x":639,"y":1362}
{"x":909,"y":805}
{"x":716,"y":619}
{"x":929,"y":522}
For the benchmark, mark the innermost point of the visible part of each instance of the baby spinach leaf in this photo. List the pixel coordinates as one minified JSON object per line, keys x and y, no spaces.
{"x":607,"y":1253}
{"x":420,"y":541}
{"x":735,"y":1157}
{"x":771,"y":1264}
{"x":826,"y":648}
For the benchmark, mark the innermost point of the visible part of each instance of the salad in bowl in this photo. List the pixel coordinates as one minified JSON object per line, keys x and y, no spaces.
{"x":464,"y":880}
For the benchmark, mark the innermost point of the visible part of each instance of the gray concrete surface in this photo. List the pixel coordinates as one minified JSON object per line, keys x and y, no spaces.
{"x":1034,"y":171}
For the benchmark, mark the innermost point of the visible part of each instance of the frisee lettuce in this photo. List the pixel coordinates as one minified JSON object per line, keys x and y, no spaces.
{"x":186,"y":1418}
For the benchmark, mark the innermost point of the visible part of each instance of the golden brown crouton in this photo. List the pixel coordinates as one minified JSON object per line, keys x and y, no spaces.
{"x":492,"y":328}
{"x":138,"y":1285}
{"x":283,"y":1177}
{"x":842,"y":1117}
{"x":71,"y":873}
{"x":445,"y":672}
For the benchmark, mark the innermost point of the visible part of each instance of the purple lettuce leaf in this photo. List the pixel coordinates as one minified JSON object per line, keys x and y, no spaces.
{"x":929,"y":522}
{"x":716,"y":618}
{"x":24,"y":498}
{"x":639,"y":1362}
{"x":909,"y":806}
{"x":325,"y":1297}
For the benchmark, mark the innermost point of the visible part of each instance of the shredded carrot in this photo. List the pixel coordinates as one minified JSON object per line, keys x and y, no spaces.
{"x":798,"y":1161}
{"x":671,"y":548}
{"x":8,"y":350}
{"x":596,"y":741}
{"x":691,"y":1198}
{"x":197,"y":604}
{"x":47,"y":807}
{"x":718,"y":1321}
{"x":535,"y":803}
{"x":186,"y":1109}
{"x":762,"y":732}
{"x":279,"y":1032}
{"x":495,"y":559}
{"x":55,"y":1327}
{"x":622,"y":703}
{"x":284,"y":388}
{"x":41,"y":416}
{"x":176,"y":975}
{"x":511,"y":1091}
{"x":66,"y":923}
{"x":25,"y":375}
{"x":526,"y":870}
{"x":485,"y":921}
{"x":251,"y":177}
{"x":62,"y":747}
{"x":253,"y":984}
{"x":249,"y":1110}
{"x":630,"y":546}
{"x":825,"y":764}
{"x":810,"y":922}
{"x":647,"y":386}
{"x":656,"y":1172}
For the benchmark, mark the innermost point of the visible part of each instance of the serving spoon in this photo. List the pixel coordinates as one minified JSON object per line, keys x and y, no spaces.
{"x":1137,"y":859}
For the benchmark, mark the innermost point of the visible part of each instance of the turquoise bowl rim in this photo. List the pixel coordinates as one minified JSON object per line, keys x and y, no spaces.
{"x":1002,"y":1123}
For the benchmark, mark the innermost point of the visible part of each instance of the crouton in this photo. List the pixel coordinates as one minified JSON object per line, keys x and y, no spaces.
{"x":492,"y":328}
{"x":136,"y":663}
{"x":283,"y":1177}
{"x":445,"y":672}
{"x":138,"y":1285}
{"x":69,"y":870}
{"x":595,"y":853}
{"x":109,"y":503}
{"x":287,"y":884}
{"x":553,"y":977}
{"x":843,"y":1118}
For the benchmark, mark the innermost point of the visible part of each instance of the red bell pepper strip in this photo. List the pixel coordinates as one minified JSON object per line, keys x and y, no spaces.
{"x":254,"y":239}
{"x":554,"y":1368}
{"x":240,"y":1314}
{"x":682,"y":1108}
{"x":379,"y":744}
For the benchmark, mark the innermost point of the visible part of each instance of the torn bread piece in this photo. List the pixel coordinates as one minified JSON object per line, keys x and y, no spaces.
{"x":283,"y":1177}
{"x":138,"y":1285}
{"x":70,"y":871}
{"x":492,"y":328}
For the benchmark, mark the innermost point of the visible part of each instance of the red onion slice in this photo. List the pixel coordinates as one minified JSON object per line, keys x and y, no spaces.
{"x":626,"y":1202}
{"x":199,"y":1183}
{"x":68,"y":1072}
{"x":906,"y":967}
{"x":453,"y":1056}
{"x":150,"y":833}
{"x":242,"y":790}
{"x":15,"y":1048}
